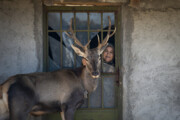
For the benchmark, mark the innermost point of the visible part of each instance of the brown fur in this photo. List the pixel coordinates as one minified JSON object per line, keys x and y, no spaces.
{"x":61,"y":90}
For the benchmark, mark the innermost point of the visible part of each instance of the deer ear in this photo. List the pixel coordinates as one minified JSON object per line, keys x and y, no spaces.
{"x":103,"y":48}
{"x":78,"y":51}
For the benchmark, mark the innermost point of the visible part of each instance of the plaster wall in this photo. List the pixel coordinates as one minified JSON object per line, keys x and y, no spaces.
{"x":151,"y":57}
{"x":151,"y":53}
{"x":84,"y":2}
{"x":158,"y":4}
{"x":20,"y":37}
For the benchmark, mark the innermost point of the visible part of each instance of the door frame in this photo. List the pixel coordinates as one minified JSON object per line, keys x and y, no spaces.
{"x":118,"y":45}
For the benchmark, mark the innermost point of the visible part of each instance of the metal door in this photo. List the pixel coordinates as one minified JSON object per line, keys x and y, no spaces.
{"x":104,"y":103}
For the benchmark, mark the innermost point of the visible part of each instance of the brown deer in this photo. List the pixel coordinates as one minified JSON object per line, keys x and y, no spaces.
{"x":59,"y":91}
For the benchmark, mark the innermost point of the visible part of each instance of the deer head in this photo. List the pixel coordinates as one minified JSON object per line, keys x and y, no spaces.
{"x":92,"y":56}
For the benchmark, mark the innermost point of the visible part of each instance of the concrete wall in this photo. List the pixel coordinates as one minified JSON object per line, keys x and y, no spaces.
{"x":151,"y":53}
{"x":151,"y":57}
{"x":83,"y":2}
{"x":20,"y":37}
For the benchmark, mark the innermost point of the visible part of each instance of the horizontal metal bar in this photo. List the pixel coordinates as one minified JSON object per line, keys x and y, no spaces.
{"x":98,"y":108}
{"x":80,"y":30}
{"x":108,"y":74}
{"x":82,"y":8}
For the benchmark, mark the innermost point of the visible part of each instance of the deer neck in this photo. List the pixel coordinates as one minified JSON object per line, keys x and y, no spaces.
{"x":89,"y":83}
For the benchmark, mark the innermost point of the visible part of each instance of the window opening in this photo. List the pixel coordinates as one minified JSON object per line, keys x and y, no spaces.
{"x":87,"y":25}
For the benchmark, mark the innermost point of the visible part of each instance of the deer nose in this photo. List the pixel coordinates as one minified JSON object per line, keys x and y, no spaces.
{"x":96,"y":73}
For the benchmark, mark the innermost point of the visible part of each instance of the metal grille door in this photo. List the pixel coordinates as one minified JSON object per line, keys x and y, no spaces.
{"x":87,"y":24}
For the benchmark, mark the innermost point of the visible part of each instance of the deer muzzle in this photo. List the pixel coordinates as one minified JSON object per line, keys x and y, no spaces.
{"x":95,"y":74}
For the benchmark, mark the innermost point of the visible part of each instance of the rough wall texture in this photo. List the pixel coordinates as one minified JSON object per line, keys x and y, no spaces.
{"x":19,"y":52}
{"x":151,"y":53}
{"x":154,"y":4}
{"x":159,"y":4}
{"x":152,"y":62}
{"x":84,"y":2}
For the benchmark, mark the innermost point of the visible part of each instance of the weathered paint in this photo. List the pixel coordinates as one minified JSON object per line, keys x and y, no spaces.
{"x":151,"y":59}
{"x":154,"y":4}
{"x":21,"y":37}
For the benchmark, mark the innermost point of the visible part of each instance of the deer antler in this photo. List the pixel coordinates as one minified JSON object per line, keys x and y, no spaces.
{"x":73,"y":35}
{"x":104,"y":42}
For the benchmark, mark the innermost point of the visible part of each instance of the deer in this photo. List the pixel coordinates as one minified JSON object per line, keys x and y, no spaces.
{"x":62,"y":91}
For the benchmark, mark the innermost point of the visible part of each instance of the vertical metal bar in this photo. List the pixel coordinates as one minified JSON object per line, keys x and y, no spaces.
{"x":120,"y":52}
{"x":102,"y":91}
{"x":75,"y":56}
{"x":116,"y":64}
{"x":61,"y":39}
{"x":120,"y":63}
{"x":44,"y":39}
{"x":102,"y":78}
{"x":88,"y":27}
{"x":88,"y":39}
{"x":47,"y":43}
{"x":101,"y":32}
{"x":116,"y":45}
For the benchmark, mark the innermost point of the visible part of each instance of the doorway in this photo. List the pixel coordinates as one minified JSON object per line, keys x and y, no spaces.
{"x":88,"y":22}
